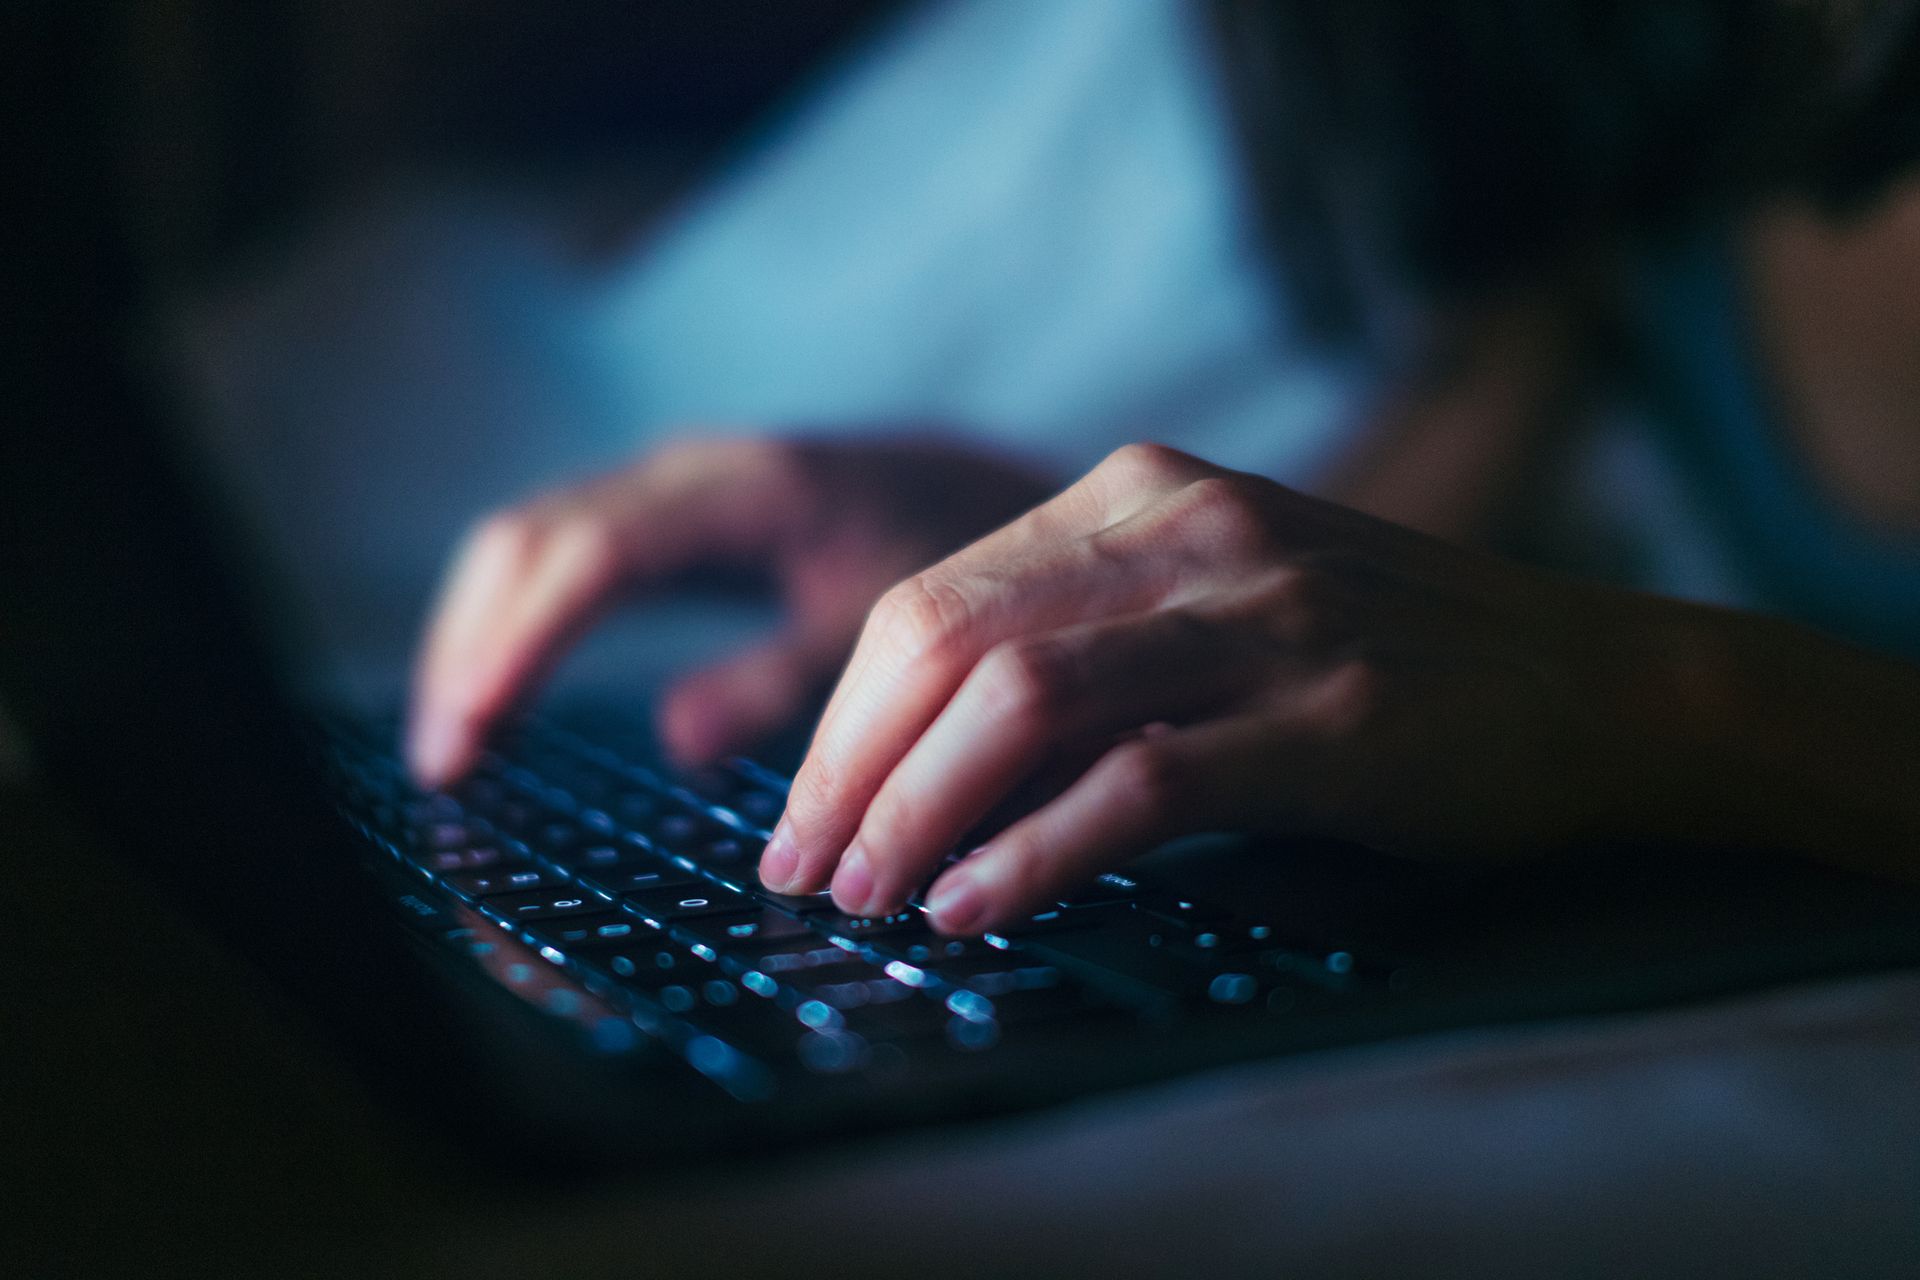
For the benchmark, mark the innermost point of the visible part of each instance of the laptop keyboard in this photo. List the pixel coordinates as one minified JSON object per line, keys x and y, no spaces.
{"x":640,"y":883}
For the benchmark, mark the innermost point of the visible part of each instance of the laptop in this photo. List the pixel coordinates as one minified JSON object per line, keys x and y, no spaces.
{"x":567,"y":961}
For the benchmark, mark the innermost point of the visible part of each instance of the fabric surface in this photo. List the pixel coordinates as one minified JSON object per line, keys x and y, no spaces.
{"x":1775,"y":1135}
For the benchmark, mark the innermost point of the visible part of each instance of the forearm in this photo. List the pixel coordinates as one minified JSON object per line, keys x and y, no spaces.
{"x":1765,"y":734}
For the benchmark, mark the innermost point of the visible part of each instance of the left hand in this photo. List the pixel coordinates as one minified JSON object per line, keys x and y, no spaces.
{"x":1233,"y":656}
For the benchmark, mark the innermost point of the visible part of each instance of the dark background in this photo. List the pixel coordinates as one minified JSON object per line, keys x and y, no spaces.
{"x":246,"y":118}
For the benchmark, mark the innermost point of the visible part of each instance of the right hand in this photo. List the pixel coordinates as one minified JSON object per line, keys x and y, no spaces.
{"x":833,"y":522}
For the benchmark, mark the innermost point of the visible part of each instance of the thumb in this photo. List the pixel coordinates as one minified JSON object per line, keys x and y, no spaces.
{"x":730,"y":706}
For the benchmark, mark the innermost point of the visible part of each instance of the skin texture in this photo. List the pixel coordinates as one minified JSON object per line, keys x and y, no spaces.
{"x":1259,"y":659}
{"x":1264,"y":661}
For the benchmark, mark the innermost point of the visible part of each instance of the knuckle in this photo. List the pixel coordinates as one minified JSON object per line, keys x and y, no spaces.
{"x":1027,"y":681}
{"x":508,"y":535}
{"x":747,"y":456}
{"x":923,"y":617}
{"x":681,"y":452}
{"x":1351,"y":696}
{"x":1224,"y":516}
{"x":1149,"y":775}
{"x":589,"y":546}
{"x":1151,"y":464}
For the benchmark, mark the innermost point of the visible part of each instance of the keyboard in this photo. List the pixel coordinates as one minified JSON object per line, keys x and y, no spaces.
{"x":622,"y":897}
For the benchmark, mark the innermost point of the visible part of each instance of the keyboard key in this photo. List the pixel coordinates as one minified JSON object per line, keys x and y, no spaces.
{"x":936,"y":953}
{"x":728,"y":852}
{"x":646,"y":970}
{"x":1025,"y":1005}
{"x":755,"y":929}
{"x":908,"y":1019}
{"x":806,"y":904}
{"x":1111,"y":887}
{"x":582,"y":857}
{"x":846,"y":992}
{"x":758,"y":1028}
{"x":470,"y":859}
{"x":505,"y":879}
{"x":613,"y":927}
{"x":431,"y":809}
{"x":1218,"y":940}
{"x":480,"y":794}
{"x":1056,"y":920}
{"x":636,"y":808}
{"x":856,"y":928}
{"x":636,"y":877}
{"x":682,"y":832}
{"x":991,"y":978}
{"x":1233,"y":988}
{"x":554,"y":836}
{"x":1182,"y":911}
{"x":453,"y":835}
{"x":714,"y":786}
{"x":760,"y":808}
{"x":793,"y":961}
{"x":685,"y":902}
{"x":545,"y":904}
{"x":516,"y":816}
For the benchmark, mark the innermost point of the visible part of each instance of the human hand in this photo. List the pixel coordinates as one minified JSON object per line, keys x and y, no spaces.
{"x":1233,"y":656}
{"x":831,"y":523}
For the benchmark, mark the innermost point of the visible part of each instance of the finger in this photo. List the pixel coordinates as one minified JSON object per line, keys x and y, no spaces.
{"x":918,"y":645}
{"x":1224,"y":775}
{"x":513,"y":603}
{"x":1129,"y":480}
{"x":1046,"y":570}
{"x":1028,"y":701}
{"x":727,"y":708}
{"x":529,"y":581}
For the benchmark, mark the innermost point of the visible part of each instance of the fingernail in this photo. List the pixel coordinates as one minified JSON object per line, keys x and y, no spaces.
{"x":956,"y":904}
{"x":780,"y":860}
{"x":853,"y":883}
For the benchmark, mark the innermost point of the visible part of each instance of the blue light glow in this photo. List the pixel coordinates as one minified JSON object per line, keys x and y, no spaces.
{"x":817,"y":1014}
{"x":971,"y":1005}
{"x":1232,"y":988}
{"x":901,"y":971}
{"x":613,"y":1035}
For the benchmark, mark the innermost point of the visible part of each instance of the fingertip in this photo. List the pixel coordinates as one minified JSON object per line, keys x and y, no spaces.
{"x":437,"y":751}
{"x":780,"y":859}
{"x":853,"y":883}
{"x":958,"y":905}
